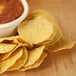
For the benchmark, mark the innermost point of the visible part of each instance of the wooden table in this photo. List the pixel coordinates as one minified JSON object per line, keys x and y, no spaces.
{"x":62,"y":63}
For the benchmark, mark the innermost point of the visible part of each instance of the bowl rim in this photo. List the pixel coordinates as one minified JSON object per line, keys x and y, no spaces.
{"x":19,"y":19}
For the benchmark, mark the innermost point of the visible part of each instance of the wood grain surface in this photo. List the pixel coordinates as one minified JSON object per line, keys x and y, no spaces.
{"x":62,"y":63}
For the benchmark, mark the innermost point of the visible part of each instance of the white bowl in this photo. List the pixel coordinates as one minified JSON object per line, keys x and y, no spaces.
{"x":9,"y":29}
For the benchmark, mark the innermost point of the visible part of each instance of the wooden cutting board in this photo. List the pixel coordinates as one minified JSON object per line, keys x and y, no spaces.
{"x":62,"y":63}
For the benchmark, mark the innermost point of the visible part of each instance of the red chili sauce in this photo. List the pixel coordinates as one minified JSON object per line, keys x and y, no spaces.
{"x":13,"y":10}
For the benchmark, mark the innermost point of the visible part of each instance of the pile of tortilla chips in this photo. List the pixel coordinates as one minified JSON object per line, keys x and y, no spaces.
{"x":40,"y":31}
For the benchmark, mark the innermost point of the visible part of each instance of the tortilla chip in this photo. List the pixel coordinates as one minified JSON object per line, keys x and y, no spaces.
{"x":32,"y":21}
{"x":5,"y":48}
{"x":24,"y":43}
{"x":41,"y":12}
{"x":10,"y":61}
{"x":55,"y":38}
{"x":36,"y":64}
{"x":6,"y":55}
{"x":20,"y":62}
{"x":34,"y":55}
{"x":57,"y":30}
{"x":33,"y":31}
{"x":12,"y":39}
{"x":62,"y":44}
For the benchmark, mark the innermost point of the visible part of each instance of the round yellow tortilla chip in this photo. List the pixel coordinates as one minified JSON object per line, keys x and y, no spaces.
{"x":4,"y":65}
{"x":31,"y":21}
{"x":20,"y":62}
{"x":5,"y":48}
{"x":35,"y":31}
{"x":12,"y":39}
{"x":36,"y":64}
{"x":41,"y":12}
{"x":62,"y":44}
{"x":6,"y":55}
{"x":58,"y":35}
{"x":57,"y":30}
{"x":34,"y":55}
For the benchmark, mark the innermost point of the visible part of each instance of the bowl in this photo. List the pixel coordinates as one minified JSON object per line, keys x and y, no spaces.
{"x":10,"y":28}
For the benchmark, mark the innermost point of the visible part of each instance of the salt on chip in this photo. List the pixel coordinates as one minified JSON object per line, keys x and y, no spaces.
{"x":62,"y":44}
{"x":5,"y":48}
{"x":36,"y":64}
{"x":35,"y":31}
{"x":20,"y":62}
{"x":10,"y":61}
